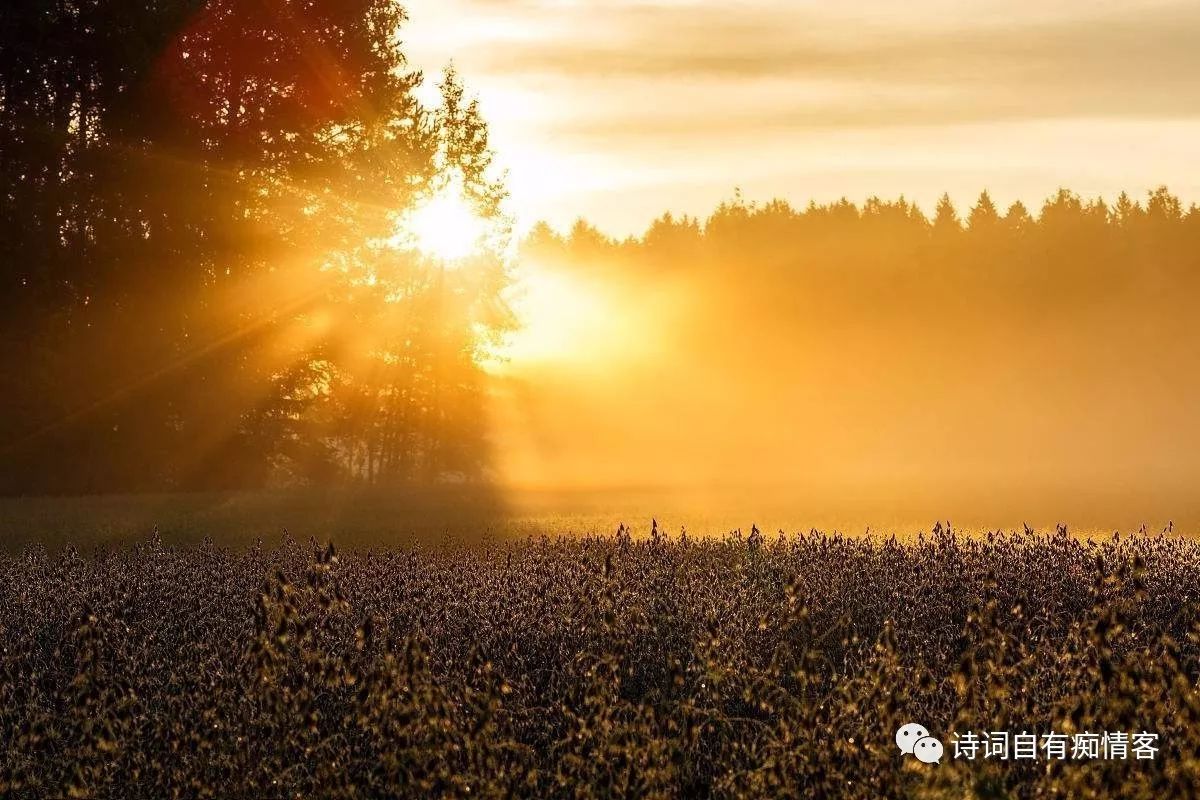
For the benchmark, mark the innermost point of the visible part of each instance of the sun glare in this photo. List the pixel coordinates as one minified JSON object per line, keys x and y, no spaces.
{"x":560,"y":319}
{"x":446,"y":227}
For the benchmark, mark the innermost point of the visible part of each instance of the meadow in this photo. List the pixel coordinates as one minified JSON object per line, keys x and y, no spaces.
{"x":388,"y":517}
{"x":749,"y":665}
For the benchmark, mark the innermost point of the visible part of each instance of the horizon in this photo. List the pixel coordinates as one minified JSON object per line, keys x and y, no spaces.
{"x":962,"y":208}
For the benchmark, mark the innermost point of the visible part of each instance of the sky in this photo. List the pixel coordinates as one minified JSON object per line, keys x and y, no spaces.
{"x":620,"y":110}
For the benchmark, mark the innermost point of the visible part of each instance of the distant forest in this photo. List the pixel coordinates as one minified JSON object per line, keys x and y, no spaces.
{"x":195,"y":295}
{"x":852,"y":347}
{"x":1100,"y":270}
{"x":1071,"y":251}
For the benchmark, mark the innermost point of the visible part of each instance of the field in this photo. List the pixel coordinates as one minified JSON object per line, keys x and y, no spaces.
{"x":388,"y":517}
{"x":747,"y":666}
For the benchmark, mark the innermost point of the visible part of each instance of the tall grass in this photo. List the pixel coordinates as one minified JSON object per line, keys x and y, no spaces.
{"x":748,"y":666}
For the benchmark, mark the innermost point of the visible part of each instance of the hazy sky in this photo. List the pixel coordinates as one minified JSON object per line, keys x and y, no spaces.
{"x":618,"y":110}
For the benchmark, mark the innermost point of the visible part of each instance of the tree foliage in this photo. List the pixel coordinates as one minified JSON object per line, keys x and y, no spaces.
{"x":200,"y":282}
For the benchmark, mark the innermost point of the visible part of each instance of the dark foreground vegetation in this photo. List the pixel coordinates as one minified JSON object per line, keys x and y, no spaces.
{"x":742,"y":667}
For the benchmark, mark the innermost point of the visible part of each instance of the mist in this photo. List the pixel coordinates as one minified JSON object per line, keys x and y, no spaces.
{"x":868,"y":365}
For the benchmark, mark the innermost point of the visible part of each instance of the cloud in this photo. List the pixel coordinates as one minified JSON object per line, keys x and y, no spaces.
{"x":1119,"y":63}
{"x":617,"y":109}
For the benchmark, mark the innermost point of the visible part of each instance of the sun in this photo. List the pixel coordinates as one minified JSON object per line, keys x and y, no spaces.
{"x":446,"y":227}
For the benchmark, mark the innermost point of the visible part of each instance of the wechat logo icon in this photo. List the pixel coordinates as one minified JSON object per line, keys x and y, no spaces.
{"x":914,"y":740}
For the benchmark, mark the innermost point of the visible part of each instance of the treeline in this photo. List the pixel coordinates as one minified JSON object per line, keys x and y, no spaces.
{"x":1101,"y":269}
{"x":1070,"y":249}
{"x":200,"y":282}
{"x":972,"y":352}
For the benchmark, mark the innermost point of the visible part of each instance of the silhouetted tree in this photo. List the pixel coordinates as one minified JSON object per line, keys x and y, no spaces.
{"x":945,"y":218}
{"x":194,"y":197}
{"x":983,"y":217}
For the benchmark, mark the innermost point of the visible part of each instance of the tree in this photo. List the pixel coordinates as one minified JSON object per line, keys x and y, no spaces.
{"x":196,"y":193}
{"x":983,"y":217}
{"x":1126,"y":212}
{"x":945,"y":218}
{"x":1017,"y":218}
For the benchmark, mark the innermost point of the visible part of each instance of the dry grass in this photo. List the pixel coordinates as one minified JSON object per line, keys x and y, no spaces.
{"x":741,"y":667}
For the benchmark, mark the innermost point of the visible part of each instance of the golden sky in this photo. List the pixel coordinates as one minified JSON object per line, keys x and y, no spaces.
{"x":618,"y":110}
